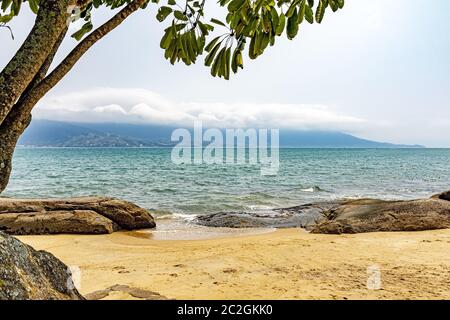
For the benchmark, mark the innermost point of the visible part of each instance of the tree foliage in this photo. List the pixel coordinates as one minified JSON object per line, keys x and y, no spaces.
{"x":250,"y":26}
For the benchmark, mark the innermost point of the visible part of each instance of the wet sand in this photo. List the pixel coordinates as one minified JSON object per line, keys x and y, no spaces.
{"x":283,"y":264}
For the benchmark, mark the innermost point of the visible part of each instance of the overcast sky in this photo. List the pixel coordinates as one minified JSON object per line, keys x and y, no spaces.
{"x":378,"y":69}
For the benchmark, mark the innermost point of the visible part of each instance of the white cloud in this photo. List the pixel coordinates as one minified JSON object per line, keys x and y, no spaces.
{"x":112,"y":108}
{"x":143,"y":106}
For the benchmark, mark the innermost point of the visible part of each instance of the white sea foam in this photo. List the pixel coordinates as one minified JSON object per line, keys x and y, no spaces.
{"x":258,"y":207}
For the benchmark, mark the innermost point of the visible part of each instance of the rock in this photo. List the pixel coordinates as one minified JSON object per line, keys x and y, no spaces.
{"x":235,"y":220}
{"x":344,"y":216}
{"x":133,"y":292}
{"x":126,"y":214}
{"x":54,"y":222}
{"x":443,"y":196}
{"x":304,"y":216}
{"x":88,"y":215}
{"x":29,"y":274}
{"x":370,"y":215}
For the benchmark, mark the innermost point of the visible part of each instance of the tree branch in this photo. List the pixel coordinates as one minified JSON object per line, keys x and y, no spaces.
{"x":45,"y":66}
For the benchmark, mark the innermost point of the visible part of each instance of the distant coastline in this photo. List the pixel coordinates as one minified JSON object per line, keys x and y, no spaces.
{"x":169,"y":147}
{"x":46,"y":133}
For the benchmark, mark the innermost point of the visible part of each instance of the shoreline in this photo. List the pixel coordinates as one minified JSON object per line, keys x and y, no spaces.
{"x":284,"y":264}
{"x":181,"y":230}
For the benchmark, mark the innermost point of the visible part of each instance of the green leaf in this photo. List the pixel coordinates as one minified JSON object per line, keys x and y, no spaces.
{"x":163,"y":12}
{"x":87,"y":27}
{"x":217,"y":63}
{"x":275,"y":19}
{"x":321,"y":10}
{"x":234,"y":62}
{"x":97,"y":3}
{"x":209,"y":58}
{"x":292,"y":26}
{"x":235,"y":5}
{"x":291,"y":8}
{"x":227,"y":58}
{"x":212,"y":44}
{"x":15,"y":7}
{"x":309,"y":14}
{"x":180,"y":15}
{"x":302,"y":10}
{"x":216,"y":21}
{"x":6,"y":4}
{"x":281,"y":24}
{"x":166,"y":39}
{"x":251,"y":50}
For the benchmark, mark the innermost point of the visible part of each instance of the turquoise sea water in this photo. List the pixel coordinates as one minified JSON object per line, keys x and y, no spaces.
{"x":149,"y":178}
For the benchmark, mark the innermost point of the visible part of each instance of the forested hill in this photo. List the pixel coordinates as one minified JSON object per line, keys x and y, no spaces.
{"x":45,"y":133}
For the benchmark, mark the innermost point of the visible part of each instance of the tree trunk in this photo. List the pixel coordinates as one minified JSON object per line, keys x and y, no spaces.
{"x":10,"y":131}
{"x":25,"y":70}
{"x":15,"y":117}
{"x":19,"y":118}
{"x":26,"y":63}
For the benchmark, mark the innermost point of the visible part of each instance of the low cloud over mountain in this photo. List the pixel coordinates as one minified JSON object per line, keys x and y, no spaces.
{"x":147,"y":107}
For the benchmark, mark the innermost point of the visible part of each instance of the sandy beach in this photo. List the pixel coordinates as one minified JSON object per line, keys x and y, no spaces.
{"x":283,"y":264}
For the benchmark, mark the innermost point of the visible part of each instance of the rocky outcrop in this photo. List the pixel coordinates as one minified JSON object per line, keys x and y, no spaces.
{"x":29,"y":274}
{"x":87,"y":215}
{"x":345,"y":216}
{"x":443,"y":196}
{"x":369,"y":215}
{"x":304,"y":216}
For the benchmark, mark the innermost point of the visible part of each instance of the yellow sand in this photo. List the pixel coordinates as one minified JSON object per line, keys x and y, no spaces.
{"x":285,"y":264}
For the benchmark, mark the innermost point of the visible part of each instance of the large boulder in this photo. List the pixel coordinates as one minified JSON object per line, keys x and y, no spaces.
{"x":443,"y":196}
{"x":29,"y":274}
{"x":370,"y":215}
{"x":87,"y":215}
{"x":304,"y":216}
{"x":76,"y":221}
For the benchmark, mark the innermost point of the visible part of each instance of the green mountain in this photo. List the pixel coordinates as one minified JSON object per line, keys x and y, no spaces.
{"x":46,"y":133}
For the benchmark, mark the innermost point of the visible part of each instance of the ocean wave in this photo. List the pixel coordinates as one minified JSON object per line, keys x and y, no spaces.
{"x":259,"y":207}
{"x":161,"y":214}
{"x":313,"y":189}
{"x":166,"y":215}
{"x":184,"y":216}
